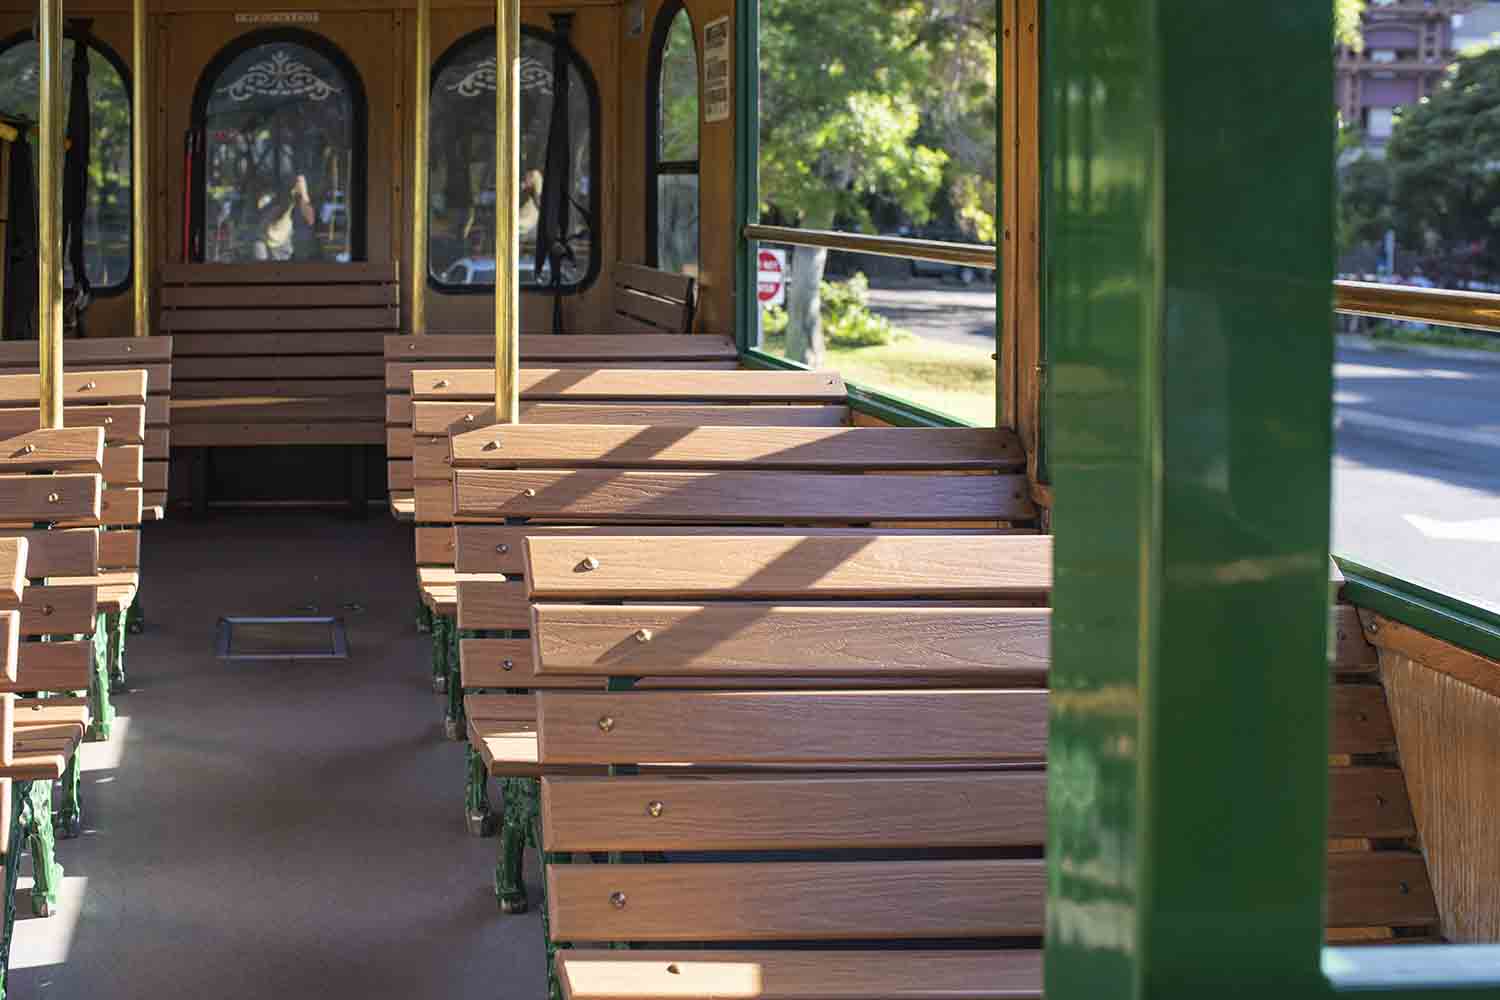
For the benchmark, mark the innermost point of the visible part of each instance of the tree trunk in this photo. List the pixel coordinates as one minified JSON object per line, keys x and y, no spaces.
{"x":804,"y":306}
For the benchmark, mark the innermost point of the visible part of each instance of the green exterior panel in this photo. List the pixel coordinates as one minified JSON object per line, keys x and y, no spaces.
{"x":1189,"y":269}
{"x":746,"y":169}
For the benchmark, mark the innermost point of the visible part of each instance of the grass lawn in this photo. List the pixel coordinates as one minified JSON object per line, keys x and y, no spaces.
{"x":959,"y":381}
{"x":1432,"y":336}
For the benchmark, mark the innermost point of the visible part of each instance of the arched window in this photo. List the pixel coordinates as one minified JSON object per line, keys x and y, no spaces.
{"x":672,"y":143}
{"x":106,"y":205}
{"x":279,"y":157}
{"x":558,"y":139}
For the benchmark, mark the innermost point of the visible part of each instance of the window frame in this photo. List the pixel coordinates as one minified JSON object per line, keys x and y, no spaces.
{"x":656,"y":167}
{"x":591,"y":89}
{"x":116,"y":61}
{"x":358,"y":194}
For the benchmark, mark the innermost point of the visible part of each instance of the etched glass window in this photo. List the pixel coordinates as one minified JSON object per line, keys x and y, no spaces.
{"x":674,"y":155}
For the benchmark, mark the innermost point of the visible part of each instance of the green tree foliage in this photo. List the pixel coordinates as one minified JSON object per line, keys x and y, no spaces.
{"x":1346,"y":20}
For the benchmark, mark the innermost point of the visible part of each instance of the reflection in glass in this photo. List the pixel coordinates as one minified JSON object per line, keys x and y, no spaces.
{"x":279,"y":168}
{"x":677,"y":150}
{"x":462,"y":163}
{"x":106,"y":220}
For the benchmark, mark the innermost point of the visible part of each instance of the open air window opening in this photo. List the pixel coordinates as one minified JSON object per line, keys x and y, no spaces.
{"x":277,"y":153}
{"x":672,"y":118}
{"x":559,"y":210}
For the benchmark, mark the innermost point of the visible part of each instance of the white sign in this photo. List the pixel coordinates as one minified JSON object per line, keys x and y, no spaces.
{"x":716,"y":86}
{"x":770,"y":284}
{"x":279,"y":17}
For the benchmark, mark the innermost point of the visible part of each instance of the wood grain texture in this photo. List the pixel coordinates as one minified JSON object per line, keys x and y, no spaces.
{"x":247,"y":435}
{"x":125,"y":465}
{"x":1393,"y":638}
{"x":60,"y":552}
{"x":1379,"y":889}
{"x":68,"y":449}
{"x":802,"y":727}
{"x":373,"y":318}
{"x":488,"y":604}
{"x":118,"y":549}
{"x":1009,"y":646}
{"x":122,"y":424}
{"x":848,"y":449}
{"x":798,"y":812}
{"x":121,"y":352}
{"x":296,"y":275}
{"x":366,"y":366}
{"x":1450,"y":750}
{"x":504,"y":707}
{"x":574,"y":347}
{"x":747,"y":497}
{"x":507,"y":663}
{"x":479,"y":546}
{"x":79,"y":388}
{"x":253,"y":297}
{"x":7,"y":729}
{"x":28,"y":499}
{"x":440,"y":419}
{"x":54,"y":666}
{"x":10,"y":641}
{"x":666,"y":974}
{"x":278,"y":344}
{"x":789,"y":566}
{"x":1361,"y":720}
{"x":58,"y":610}
{"x":642,"y":385}
{"x":796,"y":900}
{"x":434,"y":546}
{"x":1369,"y":802}
{"x":1351,"y":652}
{"x":13,"y":558}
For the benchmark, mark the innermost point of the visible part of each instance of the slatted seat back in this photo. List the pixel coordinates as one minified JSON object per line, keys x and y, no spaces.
{"x":112,"y":354}
{"x":272,"y":354}
{"x":453,"y":400}
{"x":406,"y":355}
{"x":652,"y":301}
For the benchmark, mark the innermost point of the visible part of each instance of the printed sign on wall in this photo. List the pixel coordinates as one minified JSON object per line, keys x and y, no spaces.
{"x":716,"y":88}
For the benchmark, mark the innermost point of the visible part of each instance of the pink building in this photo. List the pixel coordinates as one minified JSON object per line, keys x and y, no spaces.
{"x":1407,"y":46}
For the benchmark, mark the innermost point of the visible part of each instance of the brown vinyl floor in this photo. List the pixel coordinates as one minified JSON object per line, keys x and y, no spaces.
{"x":276,"y":829}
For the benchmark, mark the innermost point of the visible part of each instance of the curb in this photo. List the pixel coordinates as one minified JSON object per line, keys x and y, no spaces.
{"x":1355,"y":342}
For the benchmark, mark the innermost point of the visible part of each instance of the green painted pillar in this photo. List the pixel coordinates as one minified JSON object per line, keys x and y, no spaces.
{"x":1188,"y":240}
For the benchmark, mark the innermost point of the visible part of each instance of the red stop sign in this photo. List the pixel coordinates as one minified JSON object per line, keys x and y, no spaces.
{"x":771,"y":281}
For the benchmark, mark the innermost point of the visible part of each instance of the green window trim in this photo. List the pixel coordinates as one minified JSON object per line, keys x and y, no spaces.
{"x":1438,"y":615}
{"x":886,"y":406}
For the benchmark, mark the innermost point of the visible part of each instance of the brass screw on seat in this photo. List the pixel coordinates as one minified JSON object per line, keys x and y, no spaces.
{"x":411,"y":347}
{"x":441,"y":383}
{"x":109,"y":420}
{"x":655,"y":808}
{"x":468,"y":418}
{"x":507,"y":664}
{"x":618,"y":900}
{"x":502,"y":548}
{"x":606,"y":723}
{"x":54,"y":498}
{"x":47,"y":609}
{"x":528,"y":492}
{"x":643,"y":635}
{"x":28,"y":449}
{"x":90,"y":384}
{"x":589,"y":564}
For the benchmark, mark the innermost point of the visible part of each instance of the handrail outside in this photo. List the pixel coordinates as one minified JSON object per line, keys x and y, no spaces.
{"x":979,"y":255}
{"x":1445,"y":307}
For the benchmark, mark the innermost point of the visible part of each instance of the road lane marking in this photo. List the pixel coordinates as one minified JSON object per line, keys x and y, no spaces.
{"x":1485,"y":529}
{"x":1416,"y":428}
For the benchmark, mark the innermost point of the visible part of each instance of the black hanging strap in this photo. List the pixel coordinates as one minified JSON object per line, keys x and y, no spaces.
{"x":76,"y":168}
{"x":553,"y":245}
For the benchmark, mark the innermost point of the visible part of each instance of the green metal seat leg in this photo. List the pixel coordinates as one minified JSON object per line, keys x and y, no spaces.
{"x":520,"y":812}
{"x":70,"y":808}
{"x":100,"y":707}
{"x":46,"y":872}
{"x":135,"y":618}
{"x":481,"y":819}
{"x":440,"y":626}
{"x":117,"y":628}
{"x":424,"y":617}
{"x":453,"y":720}
{"x":554,"y":985}
{"x":21,"y":790}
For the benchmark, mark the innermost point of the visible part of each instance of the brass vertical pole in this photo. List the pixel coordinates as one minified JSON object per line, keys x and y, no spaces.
{"x":507,"y":201}
{"x":420,"y":146}
{"x":140,"y":177}
{"x":49,"y":210}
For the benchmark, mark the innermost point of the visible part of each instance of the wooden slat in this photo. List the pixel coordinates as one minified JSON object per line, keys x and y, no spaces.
{"x":507,"y":663}
{"x":121,"y":352}
{"x":1361,"y":720}
{"x":10,"y":641}
{"x":54,"y":666}
{"x":363,"y":366}
{"x":662,"y":284}
{"x":256,"y":297}
{"x":1351,"y":652}
{"x":486,"y":604}
{"x":122,"y":424}
{"x":498,"y":548}
{"x":439,"y":419}
{"x":509,"y":707}
{"x":848,"y":449}
{"x":747,"y":497}
{"x":1394,"y":638}
{"x":277,"y":344}
{"x":156,"y":476}
{"x":250,"y":435}
{"x":58,"y":610}
{"x":276,"y":409}
{"x":13,"y":559}
{"x":68,"y":449}
{"x":796,"y":900}
{"x":59,"y":552}
{"x":644,"y":385}
{"x":1379,"y":889}
{"x":664,"y":567}
{"x":232,"y":385}
{"x":435,"y":545}
{"x":808,"y":974}
{"x":158,"y":443}
{"x":124,"y":465}
{"x":300,"y":273}
{"x":311,"y":320}
{"x":1368,"y":802}
{"x":540,"y":347}
{"x":49,"y":498}
{"x":799,"y":812}
{"x":655,"y":313}
{"x":398,"y":475}
{"x":79,"y":388}
{"x":793,"y":727}
{"x":7,"y":730}
{"x":121,"y":508}
{"x":117,"y":550}
{"x":1005,"y":645}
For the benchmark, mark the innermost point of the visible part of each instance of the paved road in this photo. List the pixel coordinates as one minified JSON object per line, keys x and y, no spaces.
{"x":1417,"y":470}
{"x":933,"y":309}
